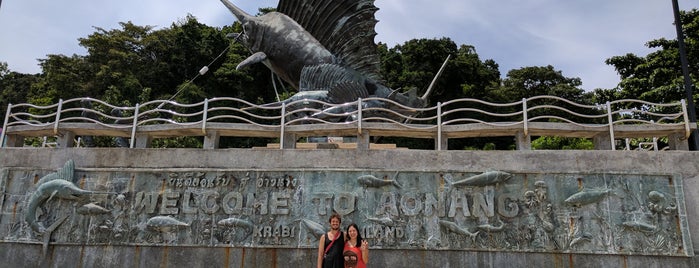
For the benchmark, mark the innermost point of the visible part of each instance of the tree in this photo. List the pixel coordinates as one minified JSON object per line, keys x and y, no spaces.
{"x":414,"y":64}
{"x":136,"y":64}
{"x":562,"y":143}
{"x":535,"y":81}
{"x":657,"y":77}
{"x":14,"y":87}
{"x":528,"y":82}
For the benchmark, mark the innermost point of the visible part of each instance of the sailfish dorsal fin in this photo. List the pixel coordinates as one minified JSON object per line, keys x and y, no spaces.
{"x":344,"y":27}
{"x":64,"y":173}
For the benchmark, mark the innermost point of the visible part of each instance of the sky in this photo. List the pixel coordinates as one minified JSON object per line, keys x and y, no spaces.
{"x":575,"y":37}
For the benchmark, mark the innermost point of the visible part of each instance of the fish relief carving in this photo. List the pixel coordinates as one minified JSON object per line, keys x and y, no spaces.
{"x":316,"y":229}
{"x":56,"y":185}
{"x":324,"y":49}
{"x":232,"y":225}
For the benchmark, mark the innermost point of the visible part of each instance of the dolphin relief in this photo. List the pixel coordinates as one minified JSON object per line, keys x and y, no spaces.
{"x":374,"y":182}
{"x":313,"y":227}
{"x":587,"y":197}
{"x":454,"y":228}
{"x":324,"y":49}
{"x":54,"y":185}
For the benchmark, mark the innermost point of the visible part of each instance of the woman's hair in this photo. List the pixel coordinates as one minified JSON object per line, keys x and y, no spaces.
{"x":359,"y":235}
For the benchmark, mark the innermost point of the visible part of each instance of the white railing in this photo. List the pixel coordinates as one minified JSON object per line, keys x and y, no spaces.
{"x":536,"y":116}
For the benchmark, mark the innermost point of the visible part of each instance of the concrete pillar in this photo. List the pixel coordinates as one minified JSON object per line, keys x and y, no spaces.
{"x":142,"y":141}
{"x":14,"y":141}
{"x":211,"y":140}
{"x":602,"y":142}
{"x":678,"y":142}
{"x":524,"y":142}
{"x":444,"y":143}
{"x":363,"y":140}
{"x":289,"y":141}
{"x":65,"y":140}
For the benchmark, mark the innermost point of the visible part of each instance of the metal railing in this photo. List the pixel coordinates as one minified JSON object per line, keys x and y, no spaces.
{"x":452,"y":119}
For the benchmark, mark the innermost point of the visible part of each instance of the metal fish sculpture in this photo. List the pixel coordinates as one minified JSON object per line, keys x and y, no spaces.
{"x":483,"y":179}
{"x":323,"y":48}
{"x":54,"y":185}
{"x":164,"y":223}
{"x":316,"y":229}
{"x":92,"y":209}
{"x":586,"y":197}
{"x":371,"y":181}
{"x":454,"y":228}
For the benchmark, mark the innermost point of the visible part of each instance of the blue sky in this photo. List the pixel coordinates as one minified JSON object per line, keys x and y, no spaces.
{"x":575,"y":37}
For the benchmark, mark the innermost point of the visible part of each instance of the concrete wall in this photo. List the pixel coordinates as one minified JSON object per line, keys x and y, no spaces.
{"x":24,"y":255}
{"x":15,"y":254}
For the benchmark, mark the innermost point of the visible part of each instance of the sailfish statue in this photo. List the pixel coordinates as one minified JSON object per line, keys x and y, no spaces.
{"x":323,"y":48}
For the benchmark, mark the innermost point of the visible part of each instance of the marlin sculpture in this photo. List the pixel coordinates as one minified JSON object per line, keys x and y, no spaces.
{"x":54,"y":185}
{"x":324,"y":49}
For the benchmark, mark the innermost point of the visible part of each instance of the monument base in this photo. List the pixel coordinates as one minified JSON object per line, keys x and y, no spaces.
{"x":266,"y":208}
{"x":29,"y":255}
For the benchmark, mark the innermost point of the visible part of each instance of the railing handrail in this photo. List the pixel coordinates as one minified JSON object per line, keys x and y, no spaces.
{"x":357,"y":113}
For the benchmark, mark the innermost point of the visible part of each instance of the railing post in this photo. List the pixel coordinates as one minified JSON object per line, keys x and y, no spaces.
{"x":205,"y":116}
{"x":525,"y":117}
{"x":655,"y":144}
{"x":359,"y":116}
{"x":133,"y":128}
{"x":4,"y":125}
{"x":439,"y":126}
{"x":281,"y":126}
{"x":611,"y":125}
{"x":685,"y":115}
{"x":58,"y":116}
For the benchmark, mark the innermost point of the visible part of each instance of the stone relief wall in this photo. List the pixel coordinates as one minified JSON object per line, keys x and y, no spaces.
{"x":450,"y":210}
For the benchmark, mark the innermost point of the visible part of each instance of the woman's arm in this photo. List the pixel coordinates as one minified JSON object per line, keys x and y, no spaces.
{"x":321,"y":251}
{"x":365,"y":251}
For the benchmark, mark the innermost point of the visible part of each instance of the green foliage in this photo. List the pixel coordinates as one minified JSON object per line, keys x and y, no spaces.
{"x":535,"y":81}
{"x":489,"y":146}
{"x":178,"y":142}
{"x":415,"y":64}
{"x":645,"y":144}
{"x":562,"y":143}
{"x":38,"y":141}
{"x":657,"y":77}
{"x":14,"y":87}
